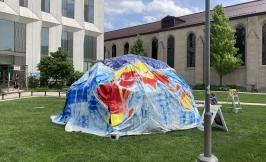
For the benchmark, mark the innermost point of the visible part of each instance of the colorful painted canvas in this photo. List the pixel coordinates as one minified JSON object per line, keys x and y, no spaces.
{"x":129,"y":95}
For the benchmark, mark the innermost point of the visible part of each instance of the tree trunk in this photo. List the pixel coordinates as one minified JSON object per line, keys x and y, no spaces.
{"x":221,"y":80}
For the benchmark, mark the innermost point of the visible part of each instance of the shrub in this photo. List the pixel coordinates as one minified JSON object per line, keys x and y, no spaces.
{"x":74,"y":77}
{"x":55,"y":68}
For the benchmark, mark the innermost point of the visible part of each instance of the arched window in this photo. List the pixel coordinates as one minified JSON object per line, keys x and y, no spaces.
{"x":264,"y":45}
{"x":240,"y":36}
{"x":191,"y":50}
{"x":114,"y":51}
{"x":171,"y":51}
{"x":154,"y":52}
{"x":126,"y":48}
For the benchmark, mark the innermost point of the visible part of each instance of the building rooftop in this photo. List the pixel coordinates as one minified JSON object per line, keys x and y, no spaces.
{"x":233,"y":12}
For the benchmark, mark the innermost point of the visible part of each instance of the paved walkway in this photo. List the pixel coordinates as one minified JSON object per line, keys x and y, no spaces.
{"x":15,"y":96}
{"x":242,"y":103}
{"x":23,"y":95}
{"x":252,"y":93}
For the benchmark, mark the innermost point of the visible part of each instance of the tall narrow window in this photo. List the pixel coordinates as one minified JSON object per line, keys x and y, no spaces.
{"x":191,"y":50}
{"x":89,"y":11}
{"x":67,"y":44}
{"x":23,"y":3}
{"x":20,"y":37}
{"x":264,"y":45}
{"x":90,"y":44}
{"x":126,"y":48}
{"x":45,"y":42}
{"x":46,"y":6}
{"x":68,"y":8}
{"x":114,"y":50}
{"x":105,"y":53}
{"x":171,"y":51}
{"x":240,"y":36}
{"x":154,"y":52}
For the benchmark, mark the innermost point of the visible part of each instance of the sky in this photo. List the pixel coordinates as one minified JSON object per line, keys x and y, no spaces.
{"x":125,"y":13}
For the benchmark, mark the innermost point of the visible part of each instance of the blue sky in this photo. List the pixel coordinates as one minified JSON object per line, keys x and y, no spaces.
{"x":124,"y":13}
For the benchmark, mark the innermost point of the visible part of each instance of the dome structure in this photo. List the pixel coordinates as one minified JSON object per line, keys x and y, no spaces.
{"x":129,"y":95}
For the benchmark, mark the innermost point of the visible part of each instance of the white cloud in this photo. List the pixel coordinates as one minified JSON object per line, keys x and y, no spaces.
{"x":108,"y":25}
{"x":150,"y":11}
{"x":166,"y":7}
{"x":230,"y":2}
{"x":154,"y":7}
{"x":124,"y":6}
{"x":149,"y":19}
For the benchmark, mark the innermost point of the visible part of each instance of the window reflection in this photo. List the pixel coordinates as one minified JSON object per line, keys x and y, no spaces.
{"x":67,"y":43}
{"x":89,"y":11}
{"x":68,"y":8}
{"x":45,"y":41}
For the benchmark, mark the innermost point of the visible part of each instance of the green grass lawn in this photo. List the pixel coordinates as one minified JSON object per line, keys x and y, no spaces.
{"x":26,"y":134}
{"x":222,"y":96}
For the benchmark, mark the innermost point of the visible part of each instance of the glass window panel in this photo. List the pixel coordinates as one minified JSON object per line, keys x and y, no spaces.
{"x":154,"y":49}
{"x":67,"y":43}
{"x":12,"y":36}
{"x":126,"y":48}
{"x":68,"y":8}
{"x":6,"y":59}
{"x":20,"y":37}
{"x":7,"y":35}
{"x":90,"y":44}
{"x":240,"y":36}
{"x":191,"y":50}
{"x":23,"y":3}
{"x":46,"y":6}
{"x":114,"y":51}
{"x":264,"y":45}
{"x":171,"y":51}
{"x":45,"y":41}
{"x":89,"y":11}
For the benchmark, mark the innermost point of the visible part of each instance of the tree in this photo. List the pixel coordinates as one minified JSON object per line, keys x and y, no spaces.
{"x":56,"y":67}
{"x":224,"y":57}
{"x":74,"y":77}
{"x":138,"y":47}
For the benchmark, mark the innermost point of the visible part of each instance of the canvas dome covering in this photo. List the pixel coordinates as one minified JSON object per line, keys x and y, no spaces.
{"x":129,"y":95}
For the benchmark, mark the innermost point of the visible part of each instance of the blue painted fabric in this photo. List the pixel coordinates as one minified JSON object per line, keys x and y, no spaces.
{"x":129,"y":95}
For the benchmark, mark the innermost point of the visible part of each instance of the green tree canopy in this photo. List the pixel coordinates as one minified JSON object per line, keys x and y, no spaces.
{"x":224,"y":57}
{"x":56,"y":67}
{"x":138,"y":47}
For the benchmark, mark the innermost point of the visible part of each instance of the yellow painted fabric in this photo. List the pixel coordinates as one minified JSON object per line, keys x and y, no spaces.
{"x":185,"y":101}
{"x":117,"y":119}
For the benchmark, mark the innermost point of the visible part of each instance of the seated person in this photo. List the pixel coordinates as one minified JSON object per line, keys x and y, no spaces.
{"x":213,"y":99}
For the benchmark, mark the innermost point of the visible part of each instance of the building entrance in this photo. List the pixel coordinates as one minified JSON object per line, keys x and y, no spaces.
{"x":8,"y":74}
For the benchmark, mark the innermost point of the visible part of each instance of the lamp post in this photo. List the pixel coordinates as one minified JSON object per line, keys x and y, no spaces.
{"x":207,"y":155}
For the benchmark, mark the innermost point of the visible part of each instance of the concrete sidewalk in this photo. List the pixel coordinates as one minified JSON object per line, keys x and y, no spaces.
{"x":23,"y":95}
{"x":242,"y":103}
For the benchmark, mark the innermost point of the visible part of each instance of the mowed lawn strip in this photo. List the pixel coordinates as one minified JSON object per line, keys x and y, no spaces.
{"x":27,"y":134}
{"x":243,"y":97}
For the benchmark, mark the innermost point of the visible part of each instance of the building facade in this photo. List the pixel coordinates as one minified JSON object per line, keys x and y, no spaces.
{"x":31,"y":29}
{"x":179,"y":41}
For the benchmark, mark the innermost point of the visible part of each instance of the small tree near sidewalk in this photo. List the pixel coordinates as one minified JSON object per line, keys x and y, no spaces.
{"x":224,"y":57}
{"x":138,"y":47}
{"x":56,"y":67}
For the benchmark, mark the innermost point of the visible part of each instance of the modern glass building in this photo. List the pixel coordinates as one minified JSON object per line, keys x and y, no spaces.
{"x":31,"y":29}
